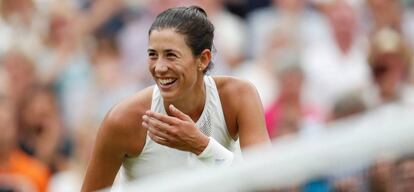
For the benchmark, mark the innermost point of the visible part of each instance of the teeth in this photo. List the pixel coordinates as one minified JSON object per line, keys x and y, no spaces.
{"x":166,"y":81}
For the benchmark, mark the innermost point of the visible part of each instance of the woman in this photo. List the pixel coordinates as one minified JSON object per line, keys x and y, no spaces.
{"x":188,"y":118}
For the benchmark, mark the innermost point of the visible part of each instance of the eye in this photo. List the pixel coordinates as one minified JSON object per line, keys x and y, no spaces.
{"x":171,"y":55}
{"x":152,"y":55}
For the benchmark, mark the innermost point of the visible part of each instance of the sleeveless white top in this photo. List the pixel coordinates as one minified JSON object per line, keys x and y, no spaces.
{"x":156,"y":158}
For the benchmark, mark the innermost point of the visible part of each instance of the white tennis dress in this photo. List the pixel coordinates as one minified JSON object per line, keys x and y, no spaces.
{"x":156,"y":158}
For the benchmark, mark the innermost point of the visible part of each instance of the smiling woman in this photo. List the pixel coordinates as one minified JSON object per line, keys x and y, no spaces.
{"x":188,"y":119}
{"x":173,"y":65}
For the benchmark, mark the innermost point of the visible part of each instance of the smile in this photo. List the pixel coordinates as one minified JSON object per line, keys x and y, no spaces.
{"x":166,"y":82}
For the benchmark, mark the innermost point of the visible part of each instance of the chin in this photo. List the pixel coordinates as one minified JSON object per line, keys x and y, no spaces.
{"x":168,"y":96}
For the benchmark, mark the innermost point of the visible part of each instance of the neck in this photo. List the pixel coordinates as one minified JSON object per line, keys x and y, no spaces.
{"x":388,"y":96}
{"x":344,"y":42}
{"x":193,"y":102}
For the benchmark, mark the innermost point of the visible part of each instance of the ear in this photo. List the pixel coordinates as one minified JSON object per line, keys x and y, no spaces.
{"x":204,"y":59}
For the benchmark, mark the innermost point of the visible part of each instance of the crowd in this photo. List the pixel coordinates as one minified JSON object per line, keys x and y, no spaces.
{"x":313,"y":62}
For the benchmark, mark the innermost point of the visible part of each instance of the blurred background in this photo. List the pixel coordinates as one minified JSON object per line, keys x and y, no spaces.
{"x":65,"y":63}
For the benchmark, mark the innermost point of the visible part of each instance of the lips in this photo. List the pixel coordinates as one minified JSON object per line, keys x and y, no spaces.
{"x":166,"y":83}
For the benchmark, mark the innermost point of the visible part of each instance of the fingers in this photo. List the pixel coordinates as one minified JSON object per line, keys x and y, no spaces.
{"x":155,"y":123}
{"x":170,"y":120}
{"x":163,"y":118}
{"x":156,"y":131}
{"x":158,"y":139}
{"x":157,"y":128}
{"x":177,"y":113}
{"x":157,"y":135}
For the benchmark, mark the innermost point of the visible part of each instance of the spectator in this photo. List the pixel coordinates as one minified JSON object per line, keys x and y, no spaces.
{"x":391,"y":14}
{"x":40,"y":125}
{"x":70,"y":178}
{"x":337,"y":64}
{"x":20,"y":74}
{"x":381,"y":175}
{"x":389,"y":60}
{"x":18,"y":171}
{"x":304,"y":24}
{"x":289,"y":113}
{"x":64,"y":64}
{"x":20,"y":23}
{"x":110,"y":84}
{"x":405,"y":174}
{"x":348,"y":105}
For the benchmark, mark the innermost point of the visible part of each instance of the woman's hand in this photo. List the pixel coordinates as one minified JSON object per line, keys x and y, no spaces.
{"x":177,"y":131}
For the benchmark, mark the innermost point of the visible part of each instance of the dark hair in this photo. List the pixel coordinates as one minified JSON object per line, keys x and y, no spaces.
{"x":193,"y":23}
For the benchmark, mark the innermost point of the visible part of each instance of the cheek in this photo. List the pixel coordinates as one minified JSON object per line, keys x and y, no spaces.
{"x":186,"y":67}
{"x":151,"y":66}
{"x":192,"y":71}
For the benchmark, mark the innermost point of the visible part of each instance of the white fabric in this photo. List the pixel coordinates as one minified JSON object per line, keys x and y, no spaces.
{"x":156,"y":158}
{"x":372,"y":98}
{"x":215,"y":155}
{"x":66,"y":181}
{"x":307,"y":27}
{"x":14,"y":33}
{"x":330,"y":73}
{"x":345,"y":145}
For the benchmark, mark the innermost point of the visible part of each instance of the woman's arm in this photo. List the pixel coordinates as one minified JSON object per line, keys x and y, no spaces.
{"x":120,"y":135}
{"x":107,"y":156}
{"x":243,"y":111}
{"x":250,"y":119}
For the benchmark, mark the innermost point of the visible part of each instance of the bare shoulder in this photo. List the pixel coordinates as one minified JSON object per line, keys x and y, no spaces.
{"x":123,"y":122}
{"x":232,"y":86}
{"x":243,"y":110}
{"x":233,"y":92}
{"x":131,"y":106}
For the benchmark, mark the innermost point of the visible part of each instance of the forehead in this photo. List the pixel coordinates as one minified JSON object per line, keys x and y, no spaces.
{"x":386,"y":58}
{"x":163,"y":39}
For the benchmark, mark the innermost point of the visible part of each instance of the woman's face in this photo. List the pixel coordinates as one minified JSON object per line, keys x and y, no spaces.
{"x":388,"y":73}
{"x":172,"y":64}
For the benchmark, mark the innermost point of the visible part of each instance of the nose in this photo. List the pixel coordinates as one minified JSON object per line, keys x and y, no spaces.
{"x":161,"y":66}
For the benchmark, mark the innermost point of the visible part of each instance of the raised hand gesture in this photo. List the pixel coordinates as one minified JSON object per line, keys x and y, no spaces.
{"x":177,"y":131}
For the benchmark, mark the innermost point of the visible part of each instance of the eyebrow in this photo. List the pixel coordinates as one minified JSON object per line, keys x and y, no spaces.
{"x":165,"y":51}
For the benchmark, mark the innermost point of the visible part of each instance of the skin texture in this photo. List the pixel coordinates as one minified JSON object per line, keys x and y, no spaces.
{"x":126,"y":126}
